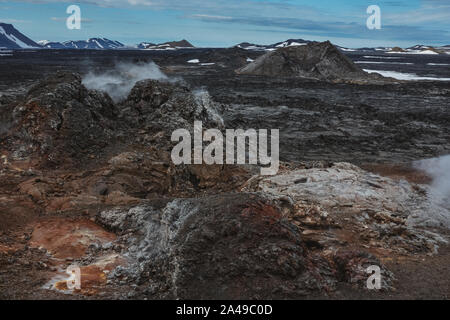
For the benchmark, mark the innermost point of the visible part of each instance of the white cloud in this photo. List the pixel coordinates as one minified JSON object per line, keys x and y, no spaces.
{"x":7,"y":20}
{"x":211,"y":17}
{"x":65,"y":18}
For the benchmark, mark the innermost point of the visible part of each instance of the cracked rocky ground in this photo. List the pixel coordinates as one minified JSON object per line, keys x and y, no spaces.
{"x":89,"y":181}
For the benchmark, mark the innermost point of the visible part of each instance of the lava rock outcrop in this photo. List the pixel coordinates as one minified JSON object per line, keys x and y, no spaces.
{"x":58,"y":121}
{"x":318,"y":60}
{"x":229,"y":246}
{"x":166,"y":106}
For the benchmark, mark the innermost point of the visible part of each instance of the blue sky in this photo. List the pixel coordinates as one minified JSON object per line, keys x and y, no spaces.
{"x":227,"y":22}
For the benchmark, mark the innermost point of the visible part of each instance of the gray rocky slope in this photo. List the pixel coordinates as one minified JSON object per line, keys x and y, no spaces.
{"x":317,"y":60}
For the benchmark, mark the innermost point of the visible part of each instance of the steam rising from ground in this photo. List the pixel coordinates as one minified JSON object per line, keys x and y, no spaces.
{"x":119,"y":81}
{"x":439,"y":192}
{"x":439,"y":170}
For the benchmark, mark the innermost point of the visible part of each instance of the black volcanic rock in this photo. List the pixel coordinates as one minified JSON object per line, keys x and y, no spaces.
{"x":58,"y":122}
{"x":227,"y":246}
{"x":168,"y":106}
{"x":180,"y":44}
{"x":11,"y":38}
{"x":314,"y":60}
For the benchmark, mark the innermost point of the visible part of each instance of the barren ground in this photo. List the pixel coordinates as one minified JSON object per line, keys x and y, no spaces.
{"x":382,"y":128}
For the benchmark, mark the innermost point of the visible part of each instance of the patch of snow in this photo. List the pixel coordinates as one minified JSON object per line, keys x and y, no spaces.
{"x":193,"y":61}
{"x":5,"y":52}
{"x":380,"y":57}
{"x":404,"y":76}
{"x":379,"y":62}
{"x":14,"y":39}
{"x":415,"y":52}
{"x":292,"y":44}
{"x":98,"y":43}
{"x":252,"y":48}
{"x":424,"y":52}
{"x":159,"y":49}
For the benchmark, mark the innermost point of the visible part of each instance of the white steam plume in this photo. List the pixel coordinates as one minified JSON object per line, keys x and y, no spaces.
{"x":119,"y":81}
{"x":439,"y":190}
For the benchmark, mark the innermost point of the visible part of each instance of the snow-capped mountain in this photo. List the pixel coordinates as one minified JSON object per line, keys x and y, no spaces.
{"x":93,"y":43}
{"x":290,"y":43}
{"x":51,"y":45}
{"x":11,"y":38}
{"x":172,"y":45}
{"x":417,"y":49}
{"x":145,"y":45}
{"x":271,"y":47}
{"x":251,"y":46}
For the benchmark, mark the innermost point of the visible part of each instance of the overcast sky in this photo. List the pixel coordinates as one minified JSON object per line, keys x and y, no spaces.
{"x":228,"y":22}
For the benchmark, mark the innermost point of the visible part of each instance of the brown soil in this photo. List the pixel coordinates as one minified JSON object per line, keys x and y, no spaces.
{"x":399,"y":171}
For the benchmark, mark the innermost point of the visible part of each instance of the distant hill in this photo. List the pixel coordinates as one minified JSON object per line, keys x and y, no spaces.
{"x":318,"y":60}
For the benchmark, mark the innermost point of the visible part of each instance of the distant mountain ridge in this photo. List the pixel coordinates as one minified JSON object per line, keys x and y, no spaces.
{"x":166,"y":45}
{"x":271,"y":47}
{"x":92,"y":43}
{"x":11,"y":38}
{"x":417,"y":49}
